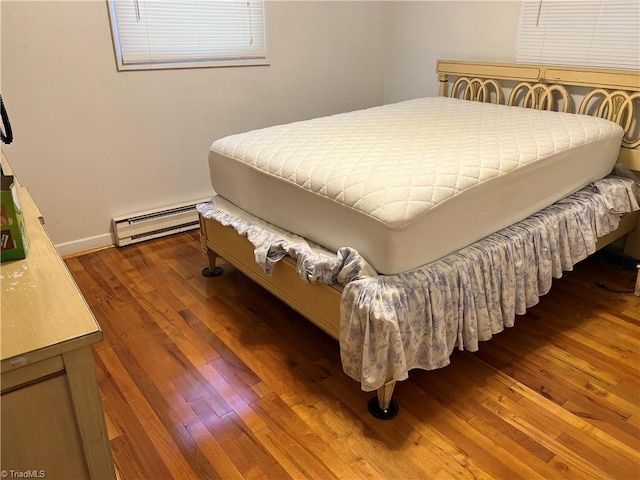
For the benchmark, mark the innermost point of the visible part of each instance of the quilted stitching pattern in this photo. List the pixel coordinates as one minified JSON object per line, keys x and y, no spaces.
{"x":397,"y":161}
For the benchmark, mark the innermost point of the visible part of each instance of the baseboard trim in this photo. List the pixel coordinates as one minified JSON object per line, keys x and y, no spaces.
{"x":84,"y":244}
{"x":86,"y":252}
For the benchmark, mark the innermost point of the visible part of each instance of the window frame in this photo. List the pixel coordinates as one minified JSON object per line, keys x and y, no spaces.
{"x":179,"y":64}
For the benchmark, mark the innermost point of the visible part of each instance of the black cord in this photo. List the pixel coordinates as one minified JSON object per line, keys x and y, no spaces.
{"x":604,"y":286}
{"x":8,"y":137}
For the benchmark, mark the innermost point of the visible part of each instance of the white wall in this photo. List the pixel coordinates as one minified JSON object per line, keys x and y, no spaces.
{"x":425,"y":31}
{"x":91,"y":143}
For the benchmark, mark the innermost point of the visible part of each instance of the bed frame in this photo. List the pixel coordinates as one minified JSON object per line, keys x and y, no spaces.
{"x":611,"y":94}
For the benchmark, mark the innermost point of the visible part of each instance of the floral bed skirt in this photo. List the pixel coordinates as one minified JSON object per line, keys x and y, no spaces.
{"x":391,"y":324}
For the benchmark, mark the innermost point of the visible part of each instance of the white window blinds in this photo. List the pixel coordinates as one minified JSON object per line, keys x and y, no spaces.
{"x":170,"y":33}
{"x":581,"y":33}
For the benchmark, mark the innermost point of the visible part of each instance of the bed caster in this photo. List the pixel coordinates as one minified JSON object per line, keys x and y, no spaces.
{"x":217,"y":271}
{"x":380,"y":413}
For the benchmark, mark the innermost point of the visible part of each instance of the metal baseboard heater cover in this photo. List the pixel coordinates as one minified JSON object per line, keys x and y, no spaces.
{"x":159,"y":222}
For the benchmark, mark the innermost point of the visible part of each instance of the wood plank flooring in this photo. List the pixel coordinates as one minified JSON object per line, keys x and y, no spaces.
{"x":210,"y":378}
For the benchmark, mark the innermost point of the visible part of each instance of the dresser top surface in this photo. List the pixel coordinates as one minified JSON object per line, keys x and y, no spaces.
{"x":42,"y":311}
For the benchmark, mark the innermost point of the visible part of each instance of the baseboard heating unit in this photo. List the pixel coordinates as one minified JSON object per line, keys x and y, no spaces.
{"x":159,"y":222}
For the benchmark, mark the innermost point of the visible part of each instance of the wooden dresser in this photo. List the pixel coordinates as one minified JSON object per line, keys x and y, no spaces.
{"x":52,"y":419}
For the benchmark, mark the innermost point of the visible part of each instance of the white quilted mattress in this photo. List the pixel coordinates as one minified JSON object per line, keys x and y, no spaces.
{"x":410,"y":182}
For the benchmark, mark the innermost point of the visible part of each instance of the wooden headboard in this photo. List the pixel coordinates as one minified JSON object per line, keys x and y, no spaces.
{"x":610,"y":94}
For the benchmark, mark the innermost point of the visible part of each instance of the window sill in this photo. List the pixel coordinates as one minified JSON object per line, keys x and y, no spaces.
{"x":257,"y":62}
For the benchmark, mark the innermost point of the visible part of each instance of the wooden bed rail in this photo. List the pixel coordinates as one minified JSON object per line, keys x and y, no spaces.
{"x":611,"y":94}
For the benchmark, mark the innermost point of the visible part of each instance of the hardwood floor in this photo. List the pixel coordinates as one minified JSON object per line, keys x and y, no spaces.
{"x":214,"y":378}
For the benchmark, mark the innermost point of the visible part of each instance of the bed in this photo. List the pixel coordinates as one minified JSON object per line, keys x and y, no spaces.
{"x":411,"y":229}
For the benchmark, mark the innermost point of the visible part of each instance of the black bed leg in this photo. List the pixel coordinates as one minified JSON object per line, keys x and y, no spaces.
{"x":381,"y":413}
{"x":217,"y":271}
{"x":382,"y":406}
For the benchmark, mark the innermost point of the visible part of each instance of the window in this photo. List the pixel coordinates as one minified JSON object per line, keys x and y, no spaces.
{"x":591,"y":33}
{"x":149,"y":34}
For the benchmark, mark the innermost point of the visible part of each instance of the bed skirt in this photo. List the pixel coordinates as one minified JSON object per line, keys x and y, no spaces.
{"x":391,"y":324}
